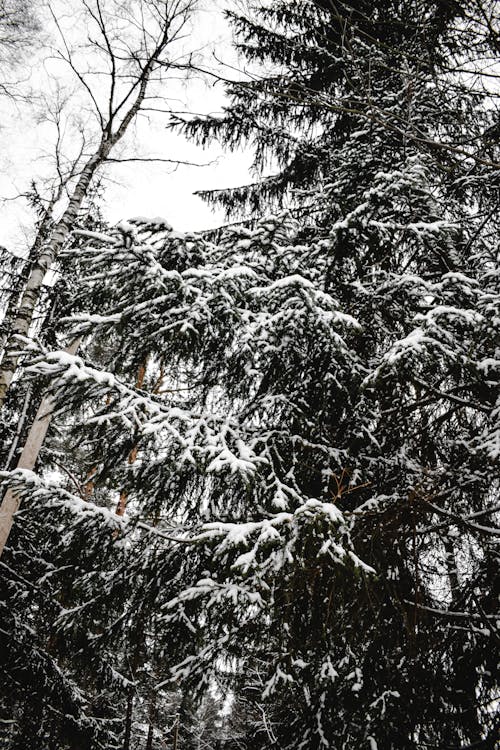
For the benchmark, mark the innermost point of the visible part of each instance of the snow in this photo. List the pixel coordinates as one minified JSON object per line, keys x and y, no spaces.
{"x":227,"y":459}
{"x":472,"y":317}
{"x":487,"y":364}
{"x":156,"y":221}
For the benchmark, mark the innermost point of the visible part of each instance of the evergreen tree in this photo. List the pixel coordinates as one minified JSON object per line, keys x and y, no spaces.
{"x":365,"y":117}
{"x":46,"y":693}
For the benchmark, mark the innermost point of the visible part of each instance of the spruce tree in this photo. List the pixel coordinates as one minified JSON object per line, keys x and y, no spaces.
{"x":385,"y":151}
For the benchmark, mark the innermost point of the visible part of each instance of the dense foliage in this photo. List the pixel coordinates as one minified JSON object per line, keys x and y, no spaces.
{"x":280,"y":444}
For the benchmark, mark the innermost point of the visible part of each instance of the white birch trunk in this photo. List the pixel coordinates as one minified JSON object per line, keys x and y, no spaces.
{"x":34,"y":441}
{"x":49,"y":252}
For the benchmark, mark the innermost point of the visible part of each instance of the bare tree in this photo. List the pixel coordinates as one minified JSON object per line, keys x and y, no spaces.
{"x":19,"y":26}
{"x":129,"y":50}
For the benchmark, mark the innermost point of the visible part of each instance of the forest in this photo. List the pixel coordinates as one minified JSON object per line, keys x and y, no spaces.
{"x":249,"y":474}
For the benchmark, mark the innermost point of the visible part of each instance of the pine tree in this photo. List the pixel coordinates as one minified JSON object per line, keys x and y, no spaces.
{"x":365,"y":120}
{"x":45,"y":696}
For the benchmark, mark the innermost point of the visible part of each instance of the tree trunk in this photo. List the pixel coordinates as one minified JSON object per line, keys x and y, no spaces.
{"x":19,"y":429}
{"x":153,"y":717}
{"x":27,"y":460}
{"x":149,"y":741}
{"x":176,"y":735}
{"x":451,"y":567}
{"x":49,"y":252}
{"x":18,"y":284}
{"x":51,"y":248}
{"x":128,"y":719}
{"x":122,"y":502}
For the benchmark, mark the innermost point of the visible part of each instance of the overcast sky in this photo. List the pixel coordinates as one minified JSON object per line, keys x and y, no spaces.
{"x":147,"y":189}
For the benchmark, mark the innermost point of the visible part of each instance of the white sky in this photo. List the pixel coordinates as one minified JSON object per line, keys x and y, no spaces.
{"x":147,"y":189}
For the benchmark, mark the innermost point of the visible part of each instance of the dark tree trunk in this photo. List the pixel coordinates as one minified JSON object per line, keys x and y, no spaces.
{"x":128,"y":720}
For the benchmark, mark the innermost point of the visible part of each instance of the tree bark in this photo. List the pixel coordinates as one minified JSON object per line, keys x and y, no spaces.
{"x":128,"y":719}
{"x":149,"y":740}
{"x":19,"y":429}
{"x":48,"y":253}
{"x":176,"y":735}
{"x":34,"y":441}
{"x":122,"y":502}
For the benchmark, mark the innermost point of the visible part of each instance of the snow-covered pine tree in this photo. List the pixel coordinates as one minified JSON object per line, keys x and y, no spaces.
{"x":311,"y":512}
{"x":91,"y":650}
{"x":272,"y":594}
{"x":49,"y":695}
{"x":382,"y":134}
{"x":130,"y":275}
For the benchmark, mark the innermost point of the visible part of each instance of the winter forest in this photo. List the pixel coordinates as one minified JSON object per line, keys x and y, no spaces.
{"x":249,"y":473}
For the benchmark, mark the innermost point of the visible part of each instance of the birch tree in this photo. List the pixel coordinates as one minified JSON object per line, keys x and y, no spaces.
{"x":19,"y":29}
{"x":126,"y":56}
